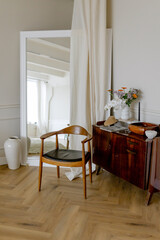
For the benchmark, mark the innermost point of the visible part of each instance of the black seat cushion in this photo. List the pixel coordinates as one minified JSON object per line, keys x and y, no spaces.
{"x":66,"y":155}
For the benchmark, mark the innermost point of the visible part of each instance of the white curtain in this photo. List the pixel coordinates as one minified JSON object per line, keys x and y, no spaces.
{"x":44,"y":96}
{"x":90,"y":63}
{"x":90,"y":67}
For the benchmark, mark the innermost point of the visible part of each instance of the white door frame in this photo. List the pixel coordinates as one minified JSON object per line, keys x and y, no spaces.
{"x":23,"y":79}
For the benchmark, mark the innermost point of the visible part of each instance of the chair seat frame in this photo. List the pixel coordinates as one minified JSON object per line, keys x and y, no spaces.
{"x":75,"y":130}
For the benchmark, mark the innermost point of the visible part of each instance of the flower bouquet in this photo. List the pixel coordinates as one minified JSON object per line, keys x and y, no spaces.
{"x":122,"y":100}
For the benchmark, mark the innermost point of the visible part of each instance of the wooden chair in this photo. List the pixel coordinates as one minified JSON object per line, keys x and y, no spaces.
{"x":67,"y":157}
{"x":154,"y":183}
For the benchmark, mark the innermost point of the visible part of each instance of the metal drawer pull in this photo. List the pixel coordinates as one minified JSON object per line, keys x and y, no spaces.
{"x":133,"y":143}
{"x":131,"y":152}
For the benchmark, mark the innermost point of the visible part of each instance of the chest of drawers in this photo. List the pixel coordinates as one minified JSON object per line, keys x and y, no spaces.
{"x":125,"y":154}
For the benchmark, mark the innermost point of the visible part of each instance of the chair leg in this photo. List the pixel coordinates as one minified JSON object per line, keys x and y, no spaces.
{"x":90,"y":170}
{"x":151,"y":190}
{"x":58,"y":173}
{"x":84,"y":180}
{"x":40,"y":174}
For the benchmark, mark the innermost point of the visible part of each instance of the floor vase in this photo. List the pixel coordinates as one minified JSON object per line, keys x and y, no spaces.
{"x":12,"y":148}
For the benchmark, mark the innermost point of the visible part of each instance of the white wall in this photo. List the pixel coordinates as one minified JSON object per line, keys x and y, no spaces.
{"x":136,"y":50}
{"x":16,"y":16}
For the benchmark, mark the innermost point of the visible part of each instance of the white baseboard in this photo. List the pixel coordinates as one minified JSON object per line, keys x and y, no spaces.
{"x":31,"y":161}
{"x":34,"y":161}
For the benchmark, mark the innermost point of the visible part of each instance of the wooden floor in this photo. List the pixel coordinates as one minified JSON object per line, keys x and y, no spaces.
{"x":114,"y":209}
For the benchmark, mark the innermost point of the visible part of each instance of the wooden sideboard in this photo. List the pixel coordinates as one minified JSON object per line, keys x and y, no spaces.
{"x":125,"y":154}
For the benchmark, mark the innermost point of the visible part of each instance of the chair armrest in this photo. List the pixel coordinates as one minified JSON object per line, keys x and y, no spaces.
{"x":86,"y":140}
{"x":48,"y":135}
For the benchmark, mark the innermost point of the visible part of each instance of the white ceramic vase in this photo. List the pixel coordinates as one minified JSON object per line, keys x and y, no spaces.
{"x":117,"y":113}
{"x":126,"y":113}
{"x":12,"y":148}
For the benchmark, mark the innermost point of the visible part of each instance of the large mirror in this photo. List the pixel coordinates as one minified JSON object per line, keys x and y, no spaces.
{"x":45,"y":89}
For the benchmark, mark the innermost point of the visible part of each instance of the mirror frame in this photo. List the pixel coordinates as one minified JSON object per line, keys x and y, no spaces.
{"x":24,"y":35}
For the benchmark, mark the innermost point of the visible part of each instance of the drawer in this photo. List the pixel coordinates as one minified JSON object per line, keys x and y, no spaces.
{"x":136,"y":156}
{"x":134,"y":146}
{"x":133,"y":143}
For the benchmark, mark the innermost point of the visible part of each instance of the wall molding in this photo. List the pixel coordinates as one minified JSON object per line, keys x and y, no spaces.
{"x":4,"y":106}
{"x":146,"y":111}
{"x":151,"y":111}
{"x":9,"y":112}
{"x":3,"y":161}
{"x":9,"y":118}
{"x":9,"y":125}
{"x":149,"y":114}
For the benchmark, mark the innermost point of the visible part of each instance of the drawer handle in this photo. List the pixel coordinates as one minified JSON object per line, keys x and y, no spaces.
{"x":131,"y":152}
{"x":132,"y":143}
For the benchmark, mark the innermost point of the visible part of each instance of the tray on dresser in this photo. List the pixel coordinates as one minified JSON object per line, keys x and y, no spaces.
{"x":141,"y":127}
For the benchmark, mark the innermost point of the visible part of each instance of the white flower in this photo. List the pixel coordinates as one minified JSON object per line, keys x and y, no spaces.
{"x":116,"y":103}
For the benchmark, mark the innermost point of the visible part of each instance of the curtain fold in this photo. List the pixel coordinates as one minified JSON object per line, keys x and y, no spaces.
{"x":44,"y":96}
{"x":90,"y":65}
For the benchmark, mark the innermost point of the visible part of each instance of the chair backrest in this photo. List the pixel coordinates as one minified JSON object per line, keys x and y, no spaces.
{"x":155,"y":163}
{"x":74,"y":129}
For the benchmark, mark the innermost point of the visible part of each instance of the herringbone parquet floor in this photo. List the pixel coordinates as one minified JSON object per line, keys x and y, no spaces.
{"x":114,"y":209}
